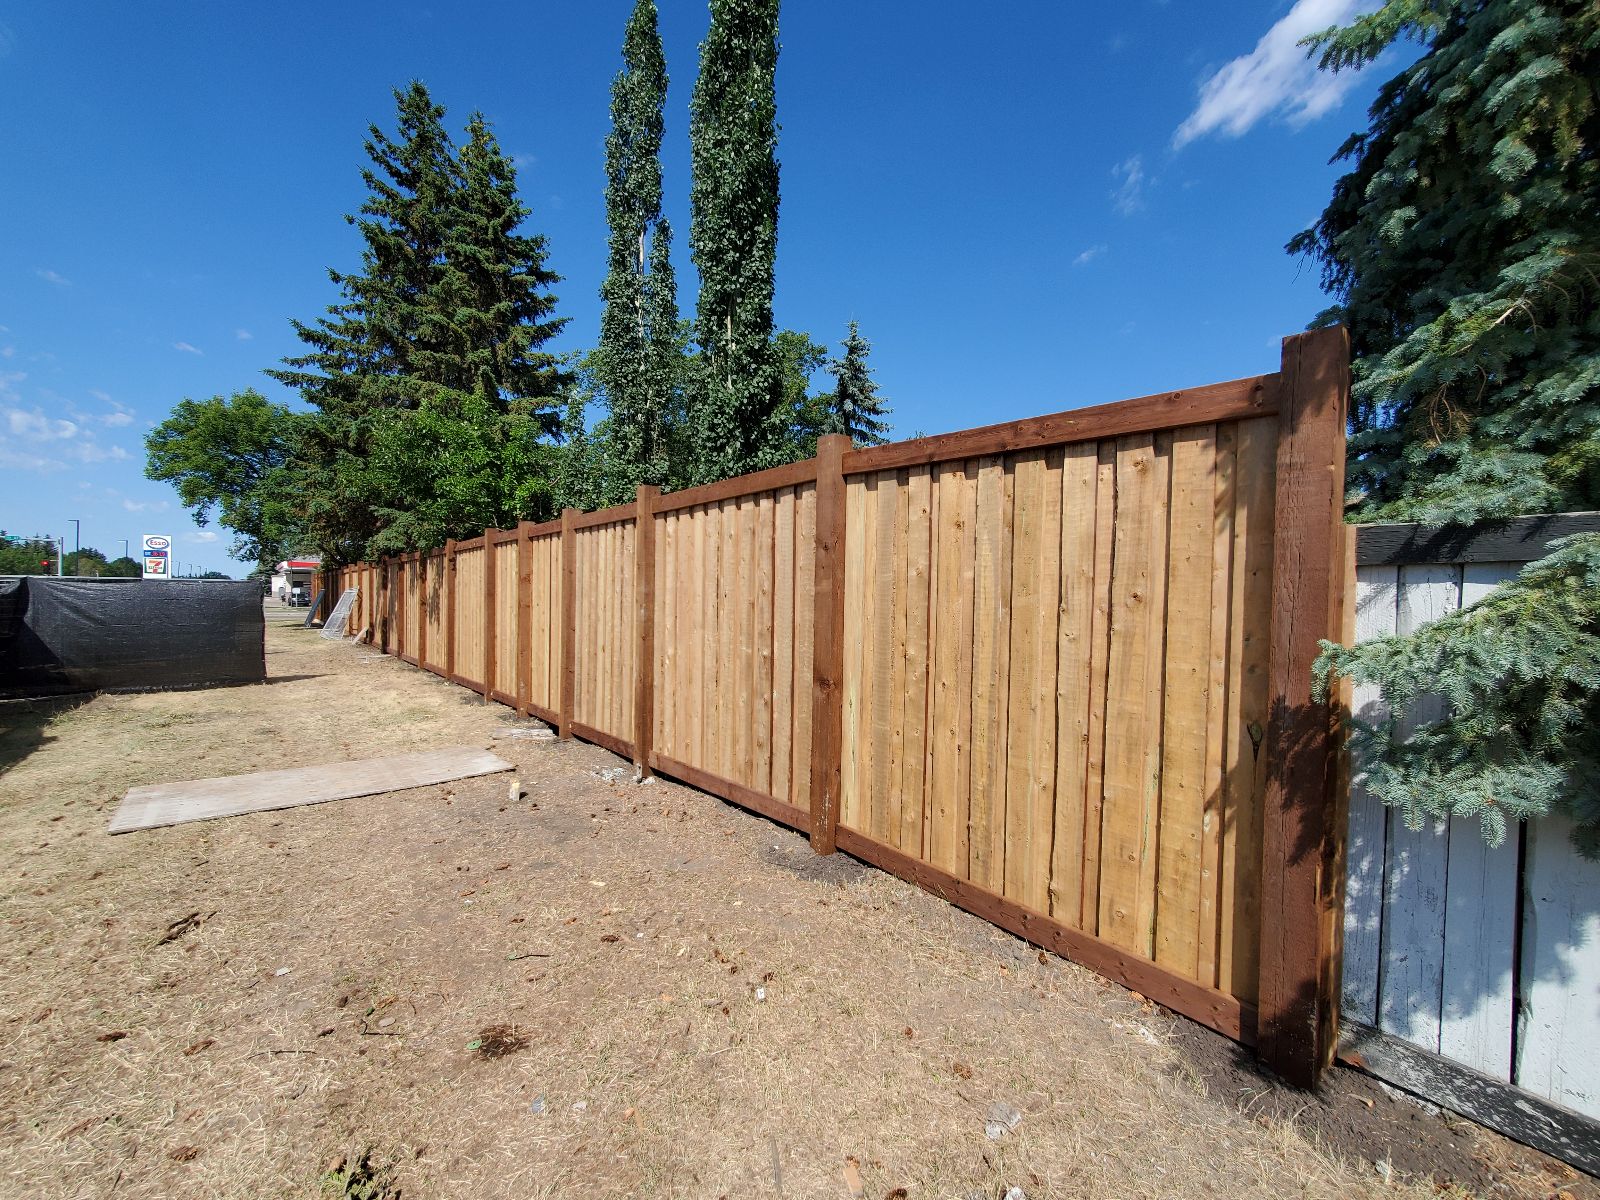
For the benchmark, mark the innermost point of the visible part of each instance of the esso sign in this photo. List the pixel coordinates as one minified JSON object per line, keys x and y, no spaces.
{"x":154,"y":541}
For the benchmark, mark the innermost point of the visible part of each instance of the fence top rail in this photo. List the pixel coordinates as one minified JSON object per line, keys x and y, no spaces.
{"x":605,"y":516}
{"x":770,"y":480}
{"x":531,"y":530}
{"x":1234,"y":400}
{"x":1516,"y":539}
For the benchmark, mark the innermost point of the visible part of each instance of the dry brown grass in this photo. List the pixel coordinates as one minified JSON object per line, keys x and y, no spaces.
{"x":680,"y":998}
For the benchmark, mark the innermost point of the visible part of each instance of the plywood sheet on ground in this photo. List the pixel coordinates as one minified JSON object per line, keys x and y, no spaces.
{"x":233,"y":795}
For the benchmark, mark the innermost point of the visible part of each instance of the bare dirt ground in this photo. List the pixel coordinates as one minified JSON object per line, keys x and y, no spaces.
{"x":601,"y":989}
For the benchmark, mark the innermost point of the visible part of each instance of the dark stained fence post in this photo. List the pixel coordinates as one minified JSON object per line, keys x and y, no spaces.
{"x":524,"y":617}
{"x":644,"y":588}
{"x":448,"y":616}
{"x":491,"y":625}
{"x":1301,"y":830}
{"x":569,"y":612}
{"x":827,"y":691}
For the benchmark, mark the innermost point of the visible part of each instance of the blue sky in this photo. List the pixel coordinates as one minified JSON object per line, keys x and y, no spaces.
{"x":1028,"y":207}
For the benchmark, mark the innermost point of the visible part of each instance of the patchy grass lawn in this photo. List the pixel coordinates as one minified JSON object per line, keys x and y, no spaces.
{"x":602,"y":989}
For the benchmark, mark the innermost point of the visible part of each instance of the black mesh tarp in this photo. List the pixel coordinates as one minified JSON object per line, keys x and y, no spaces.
{"x":114,"y":635}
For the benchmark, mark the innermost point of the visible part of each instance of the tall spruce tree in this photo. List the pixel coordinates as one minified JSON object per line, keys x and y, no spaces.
{"x":854,"y":407}
{"x":430,"y":378}
{"x":1463,"y":250}
{"x":739,"y":415}
{"x":638,"y":362}
{"x":362,"y":357}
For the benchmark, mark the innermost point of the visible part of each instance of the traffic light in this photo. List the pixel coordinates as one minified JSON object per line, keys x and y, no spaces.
{"x":45,"y":563}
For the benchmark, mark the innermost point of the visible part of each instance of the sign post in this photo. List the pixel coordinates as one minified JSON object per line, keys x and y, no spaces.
{"x":157,"y":556}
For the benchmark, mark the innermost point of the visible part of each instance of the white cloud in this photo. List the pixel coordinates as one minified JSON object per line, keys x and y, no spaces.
{"x":117,"y":419}
{"x":1089,"y":255}
{"x":1128,"y":196}
{"x":187,"y":348}
{"x":146,"y":506}
{"x":244,"y":335}
{"x":8,"y":351}
{"x":205,"y":535}
{"x":49,"y":276}
{"x":103,"y":397}
{"x":36,"y":427}
{"x":1275,"y":77}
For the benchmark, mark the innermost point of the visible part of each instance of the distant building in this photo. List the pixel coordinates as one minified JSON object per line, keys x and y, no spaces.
{"x":295,"y":573}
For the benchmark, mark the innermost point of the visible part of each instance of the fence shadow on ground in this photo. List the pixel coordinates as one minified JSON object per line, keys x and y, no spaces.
{"x":25,"y":725}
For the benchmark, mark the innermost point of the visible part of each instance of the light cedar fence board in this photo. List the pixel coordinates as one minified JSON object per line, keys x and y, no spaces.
{"x":928,"y":645}
{"x":1186,"y":720}
{"x":897,"y":806}
{"x":1212,"y":900}
{"x":806,"y":542}
{"x":991,"y":652}
{"x":1099,"y":667}
{"x":266,"y":791}
{"x":1131,"y":693}
{"x":1031,"y":712}
{"x":782,"y":695}
{"x":762,"y":566}
{"x":949,"y":776}
{"x":915,"y":635}
{"x":1245,"y":771}
{"x":1075,"y":636}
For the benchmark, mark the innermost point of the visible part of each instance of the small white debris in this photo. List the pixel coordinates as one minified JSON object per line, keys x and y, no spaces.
{"x":281,"y":971}
{"x":581,"y":1106}
{"x":761,"y":993}
{"x":1385,"y":1170}
{"x":1001,"y":1120}
{"x":1016,"y":1193}
{"x":515,"y":791}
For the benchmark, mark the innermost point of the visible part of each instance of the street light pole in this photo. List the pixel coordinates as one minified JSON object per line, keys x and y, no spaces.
{"x":77,"y":542}
{"x":124,"y":547}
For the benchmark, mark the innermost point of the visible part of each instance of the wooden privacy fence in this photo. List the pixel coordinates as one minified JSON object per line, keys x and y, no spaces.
{"x":1056,"y":671}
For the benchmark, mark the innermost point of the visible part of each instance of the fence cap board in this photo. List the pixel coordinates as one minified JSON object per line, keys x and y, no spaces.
{"x":770,"y":480}
{"x":603,"y":516}
{"x":1235,"y":400}
{"x":1517,"y":539}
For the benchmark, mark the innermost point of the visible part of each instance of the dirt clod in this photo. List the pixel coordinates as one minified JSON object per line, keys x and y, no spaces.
{"x":497,"y":1041}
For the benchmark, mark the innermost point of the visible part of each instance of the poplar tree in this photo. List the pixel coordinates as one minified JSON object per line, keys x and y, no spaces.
{"x":854,"y":407}
{"x":1463,"y":252}
{"x":638,"y":364}
{"x":740,"y":420}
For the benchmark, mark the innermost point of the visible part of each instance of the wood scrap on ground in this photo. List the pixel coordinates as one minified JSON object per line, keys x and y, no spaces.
{"x":264,"y":791}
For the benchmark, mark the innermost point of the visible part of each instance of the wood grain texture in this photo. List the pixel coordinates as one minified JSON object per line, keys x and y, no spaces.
{"x":1298,"y":837}
{"x":1231,"y":401}
{"x":991,"y":668}
{"x":827,"y":647}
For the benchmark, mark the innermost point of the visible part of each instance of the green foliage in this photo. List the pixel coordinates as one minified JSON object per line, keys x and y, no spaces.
{"x":87,"y":561}
{"x":27,"y":557}
{"x":429,"y":377}
{"x":1463,"y":252}
{"x":854,"y":407}
{"x":1463,"y":249}
{"x":740,"y":420}
{"x":123,"y":568}
{"x":1519,"y":671}
{"x":638,"y":368}
{"x":232,"y":457}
